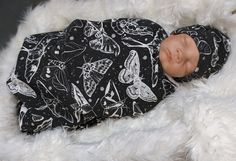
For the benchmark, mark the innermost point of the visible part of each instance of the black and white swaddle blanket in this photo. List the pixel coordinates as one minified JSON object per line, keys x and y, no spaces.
{"x":90,"y":71}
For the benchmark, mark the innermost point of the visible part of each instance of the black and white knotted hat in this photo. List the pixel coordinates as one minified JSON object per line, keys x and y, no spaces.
{"x":214,"y":48}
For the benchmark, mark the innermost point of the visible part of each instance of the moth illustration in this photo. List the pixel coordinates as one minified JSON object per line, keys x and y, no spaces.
{"x":15,"y":85}
{"x":35,"y":53}
{"x":130,"y":74}
{"x":130,"y":26}
{"x":111,"y":102}
{"x":82,"y":106}
{"x":54,"y":104}
{"x":102,"y":41}
{"x":80,"y":99}
{"x":152,"y":46}
{"x":55,"y":70}
{"x":93,"y":73}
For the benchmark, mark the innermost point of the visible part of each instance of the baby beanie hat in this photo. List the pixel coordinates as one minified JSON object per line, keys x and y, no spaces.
{"x":213,"y":46}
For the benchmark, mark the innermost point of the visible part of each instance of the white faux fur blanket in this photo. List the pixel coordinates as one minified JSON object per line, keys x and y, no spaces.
{"x":196,"y":123}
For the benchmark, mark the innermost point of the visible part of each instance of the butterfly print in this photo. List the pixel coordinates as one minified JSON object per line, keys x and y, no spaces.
{"x":55,"y":70}
{"x":35,"y":53}
{"x":54,"y":104}
{"x":130,"y":74}
{"x":17,"y":86}
{"x":111,"y":102}
{"x":130,"y":26}
{"x":128,"y":41}
{"x":102,"y":41}
{"x":93,"y":73}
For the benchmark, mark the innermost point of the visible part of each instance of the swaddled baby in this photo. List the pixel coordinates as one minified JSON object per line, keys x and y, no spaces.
{"x":114,"y":68}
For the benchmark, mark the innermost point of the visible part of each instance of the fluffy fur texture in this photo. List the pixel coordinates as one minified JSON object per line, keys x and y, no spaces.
{"x":196,"y":123}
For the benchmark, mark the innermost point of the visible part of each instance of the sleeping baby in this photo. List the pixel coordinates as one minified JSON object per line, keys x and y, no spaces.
{"x":116,"y":68}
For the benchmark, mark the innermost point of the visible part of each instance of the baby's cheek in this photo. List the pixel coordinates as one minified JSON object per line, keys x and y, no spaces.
{"x":178,"y":70}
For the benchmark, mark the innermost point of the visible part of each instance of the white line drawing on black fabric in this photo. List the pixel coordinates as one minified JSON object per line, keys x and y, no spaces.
{"x":130,"y":74}
{"x":102,"y":41}
{"x":37,"y":118}
{"x":81,"y":104}
{"x":22,"y":114}
{"x":190,"y":30}
{"x":54,"y":104}
{"x":32,"y":39}
{"x":167,"y":87}
{"x":46,"y":124}
{"x":130,"y":26}
{"x":136,"y":109}
{"x":93,"y":73}
{"x":203,"y":46}
{"x":111,"y":101}
{"x":226,"y":43}
{"x":43,"y":107}
{"x":81,"y":101}
{"x":55,"y":71}
{"x":69,"y":128}
{"x":17,"y":86}
{"x":35,"y":54}
{"x":77,"y":111}
{"x":215,"y":56}
{"x":74,"y":25}
{"x":150,"y":46}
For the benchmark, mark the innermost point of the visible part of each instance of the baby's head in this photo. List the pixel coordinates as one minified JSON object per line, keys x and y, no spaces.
{"x":194,"y":52}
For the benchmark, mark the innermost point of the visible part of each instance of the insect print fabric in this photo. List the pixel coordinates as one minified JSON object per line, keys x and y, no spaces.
{"x":88,"y":72}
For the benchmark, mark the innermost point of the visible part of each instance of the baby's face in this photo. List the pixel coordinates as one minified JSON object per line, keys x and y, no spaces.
{"x":178,"y":55}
